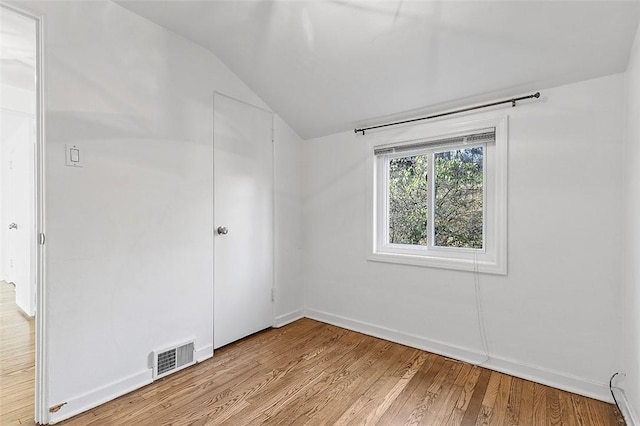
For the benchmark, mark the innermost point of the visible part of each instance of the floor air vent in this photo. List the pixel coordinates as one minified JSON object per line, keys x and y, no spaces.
{"x":173,"y":359}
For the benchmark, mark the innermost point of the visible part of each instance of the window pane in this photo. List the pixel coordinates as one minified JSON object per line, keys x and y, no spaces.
{"x":408,"y":200}
{"x":458,"y":198}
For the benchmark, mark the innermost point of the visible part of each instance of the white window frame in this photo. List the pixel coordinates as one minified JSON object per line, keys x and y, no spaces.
{"x":492,"y":258}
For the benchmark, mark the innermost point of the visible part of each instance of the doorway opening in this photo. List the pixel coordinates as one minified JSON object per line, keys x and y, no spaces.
{"x":20,"y":215}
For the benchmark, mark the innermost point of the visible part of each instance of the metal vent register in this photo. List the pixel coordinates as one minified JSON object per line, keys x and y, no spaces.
{"x":172,"y":359}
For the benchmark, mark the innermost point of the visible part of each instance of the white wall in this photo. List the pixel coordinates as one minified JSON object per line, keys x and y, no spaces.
{"x":17,"y":99}
{"x":631,"y":306}
{"x":4,"y":212}
{"x":129,"y":236}
{"x":288,"y":280}
{"x":555,"y":317}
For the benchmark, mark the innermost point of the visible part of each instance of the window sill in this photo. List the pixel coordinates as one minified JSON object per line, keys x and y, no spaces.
{"x":486,"y":267}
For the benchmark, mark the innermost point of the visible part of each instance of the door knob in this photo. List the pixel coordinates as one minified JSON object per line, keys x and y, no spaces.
{"x":14,"y":225}
{"x":222,"y":230}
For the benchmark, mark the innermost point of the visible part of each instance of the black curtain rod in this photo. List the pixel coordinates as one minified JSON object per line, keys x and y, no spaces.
{"x":512,"y":101}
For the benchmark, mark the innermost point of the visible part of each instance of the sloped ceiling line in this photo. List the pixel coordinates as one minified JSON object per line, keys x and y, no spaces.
{"x":328,"y":66}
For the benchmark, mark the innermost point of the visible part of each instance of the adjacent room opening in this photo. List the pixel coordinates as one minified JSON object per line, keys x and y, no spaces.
{"x":20,"y":142}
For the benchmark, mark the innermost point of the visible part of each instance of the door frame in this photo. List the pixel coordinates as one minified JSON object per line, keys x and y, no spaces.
{"x":41,"y":414}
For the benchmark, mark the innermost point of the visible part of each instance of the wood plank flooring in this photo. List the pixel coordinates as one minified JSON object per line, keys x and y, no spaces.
{"x":310,"y":373}
{"x":317,"y":374}
{"x":17,"y":361}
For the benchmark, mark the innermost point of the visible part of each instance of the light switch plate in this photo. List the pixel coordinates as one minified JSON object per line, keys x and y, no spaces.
{"x":74,"y":155}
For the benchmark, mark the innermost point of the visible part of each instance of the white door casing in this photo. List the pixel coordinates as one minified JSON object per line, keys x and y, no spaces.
{"x":243,"y":204}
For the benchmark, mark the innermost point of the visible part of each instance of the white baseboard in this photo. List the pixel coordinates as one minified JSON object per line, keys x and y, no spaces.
{"x":99,"y":396}
{"x":204,"y":353}
{"x":285,"y":319}
{"x":114,"y":390}
{"x":533,"y":373}
{"x":555,"y":379}
{"x":630,"y":417}
{"x":25,"y":313}
{"x":537,"y":374}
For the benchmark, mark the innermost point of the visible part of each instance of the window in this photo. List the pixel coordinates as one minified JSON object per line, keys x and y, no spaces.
{"x":439,"y":196}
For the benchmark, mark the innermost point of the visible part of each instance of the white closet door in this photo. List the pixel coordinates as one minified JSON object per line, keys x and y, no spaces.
{"x":243,"y":206}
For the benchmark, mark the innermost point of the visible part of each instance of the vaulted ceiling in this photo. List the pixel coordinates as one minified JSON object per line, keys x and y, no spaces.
{"x":327,"y":66}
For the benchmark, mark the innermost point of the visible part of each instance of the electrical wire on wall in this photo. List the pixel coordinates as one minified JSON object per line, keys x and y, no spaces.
{"x":611,"y":390}
{"x":479,"y":311}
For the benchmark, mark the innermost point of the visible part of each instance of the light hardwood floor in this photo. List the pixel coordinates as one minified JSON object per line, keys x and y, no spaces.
{"x":17,"y":361}
{"x":313,"y":373}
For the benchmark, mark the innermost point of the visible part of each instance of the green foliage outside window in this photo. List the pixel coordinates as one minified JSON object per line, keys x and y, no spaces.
{"x":458,"y":200}
{"x":408,"y":200}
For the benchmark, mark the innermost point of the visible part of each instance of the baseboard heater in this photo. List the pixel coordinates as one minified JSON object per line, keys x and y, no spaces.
{"x":173,"y":359}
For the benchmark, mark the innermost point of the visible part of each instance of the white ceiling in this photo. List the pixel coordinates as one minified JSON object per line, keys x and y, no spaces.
{"x":327,"y":66}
